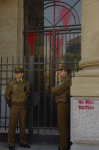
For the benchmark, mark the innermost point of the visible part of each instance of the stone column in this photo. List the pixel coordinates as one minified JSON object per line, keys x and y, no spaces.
{"x":11,"y":34}
{"x":11,"y":28}
{"x":20,"y":31}
{"x":85,"y":84}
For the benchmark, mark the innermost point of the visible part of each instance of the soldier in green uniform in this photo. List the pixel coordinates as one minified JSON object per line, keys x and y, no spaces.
{"x":62,"y":98}
{"x":16,"y":95}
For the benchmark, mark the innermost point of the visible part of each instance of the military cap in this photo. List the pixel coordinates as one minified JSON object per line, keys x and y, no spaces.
{"x":64,"y":67}
{"x":18,"y":69}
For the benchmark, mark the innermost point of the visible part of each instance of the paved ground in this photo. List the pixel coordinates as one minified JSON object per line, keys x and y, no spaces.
{"x":4,"y":146}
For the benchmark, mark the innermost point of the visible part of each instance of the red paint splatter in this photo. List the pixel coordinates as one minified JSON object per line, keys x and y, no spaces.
{"x":58,"y":43}
{"x":65,"y":14}
{"x":31,"y":40}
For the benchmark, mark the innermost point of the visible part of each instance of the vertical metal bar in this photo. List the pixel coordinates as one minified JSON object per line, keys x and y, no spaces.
{"x":17,"y":123}
{"x":54,"y":46}
{"x":42,"y":46}
{"x":0,"y":88}
{"x":12,"y":66}
{"x":50,"y":77}
{"x":34,"y":52}
{"x":38,"y":93}
{"x":45,"y":96}
{"x":77,"y":53}
{"x":66,"y":48}
{"x":66,"y":41}
{"x":51,"y":93}
{"x":50,"y":55}
{"x":24,"y":60}
{"x":53,"y":63}
{"x":31,"y":45}
{"x":18,"y":116}
{"x":69,"y":47}
{"x":38,"y":37}
{"x":54,"y":14}
{"x":57,"y":53}
{"x":73,"y":49}
{"x":24,"y":25}
{"x":45,"y":92}
{"x":51,"y":114}
{"x":49,"y":62}
{"x":6,"y":103}
{"x":54,"y":42}
{"x":28,"y":15}
{"x":46,"y":49}
{"x":74,"y":57}
{"x":31,"y":99}
{"x":62,"y":47}
{"x":57,"y":46}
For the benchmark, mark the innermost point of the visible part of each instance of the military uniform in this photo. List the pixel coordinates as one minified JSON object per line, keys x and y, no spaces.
{"x":18,"y":91}
{"x":63,"y":109}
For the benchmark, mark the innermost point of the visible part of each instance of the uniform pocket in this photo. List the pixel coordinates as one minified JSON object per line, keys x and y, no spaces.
{"x":15,"y":90}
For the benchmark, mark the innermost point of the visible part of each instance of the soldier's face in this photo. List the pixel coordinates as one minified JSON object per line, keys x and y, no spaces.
{"x":18,"y":75}
{"x":63,"y":73}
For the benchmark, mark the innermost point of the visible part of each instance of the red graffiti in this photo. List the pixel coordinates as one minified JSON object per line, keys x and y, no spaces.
{"x":65,"y":14}
{"x":88,"y":106}
{"x":58,"y":43}
{"x":85,"y":107}
{"x":31,"y":40}
{"x":81,"y":102}
{"x":89,"y":102}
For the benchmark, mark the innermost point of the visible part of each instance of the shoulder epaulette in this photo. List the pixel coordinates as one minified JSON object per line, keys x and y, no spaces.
{"x":10,"y":81}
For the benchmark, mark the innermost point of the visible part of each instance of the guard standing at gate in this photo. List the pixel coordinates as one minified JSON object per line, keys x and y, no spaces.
{"x":62,"y":98}
{"x":16,"y":95}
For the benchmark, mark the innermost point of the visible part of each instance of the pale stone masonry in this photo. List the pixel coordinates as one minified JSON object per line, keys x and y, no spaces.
{"x":85,"y":85}
{"x":11,"y":34}
{"x":11,"y":28}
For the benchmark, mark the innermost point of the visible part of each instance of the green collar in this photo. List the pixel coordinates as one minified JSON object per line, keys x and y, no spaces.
{"x":19,"y":80}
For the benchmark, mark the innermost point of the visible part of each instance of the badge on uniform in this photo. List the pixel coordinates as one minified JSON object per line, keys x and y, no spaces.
{"x":14,"y":86}
{"x":60,"y":83}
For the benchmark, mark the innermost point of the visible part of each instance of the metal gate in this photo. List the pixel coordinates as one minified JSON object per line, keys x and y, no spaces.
{"x":52,"y":36}
{"x":42,"y":74}
{"x":44,"y":71}
{"x":45,"y":48}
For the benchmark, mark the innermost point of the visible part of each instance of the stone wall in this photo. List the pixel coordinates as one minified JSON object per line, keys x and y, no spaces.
{"x":85,"y":84}
{"x":11,"y":28}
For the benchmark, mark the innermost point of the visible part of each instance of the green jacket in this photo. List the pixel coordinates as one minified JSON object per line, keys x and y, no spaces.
{"x":18,"y":91}
{"x":59,"y":91}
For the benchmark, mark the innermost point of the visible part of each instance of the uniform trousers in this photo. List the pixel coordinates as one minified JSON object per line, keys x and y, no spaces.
{"x":63,"y":110}
{"x":16,"y":111}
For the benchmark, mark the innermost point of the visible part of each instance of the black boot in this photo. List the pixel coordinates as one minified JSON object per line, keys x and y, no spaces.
{"x":25,"y":145}
{"x":11,"y":148}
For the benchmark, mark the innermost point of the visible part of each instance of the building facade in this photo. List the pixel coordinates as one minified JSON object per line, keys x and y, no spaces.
{"x":40,"y":35}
